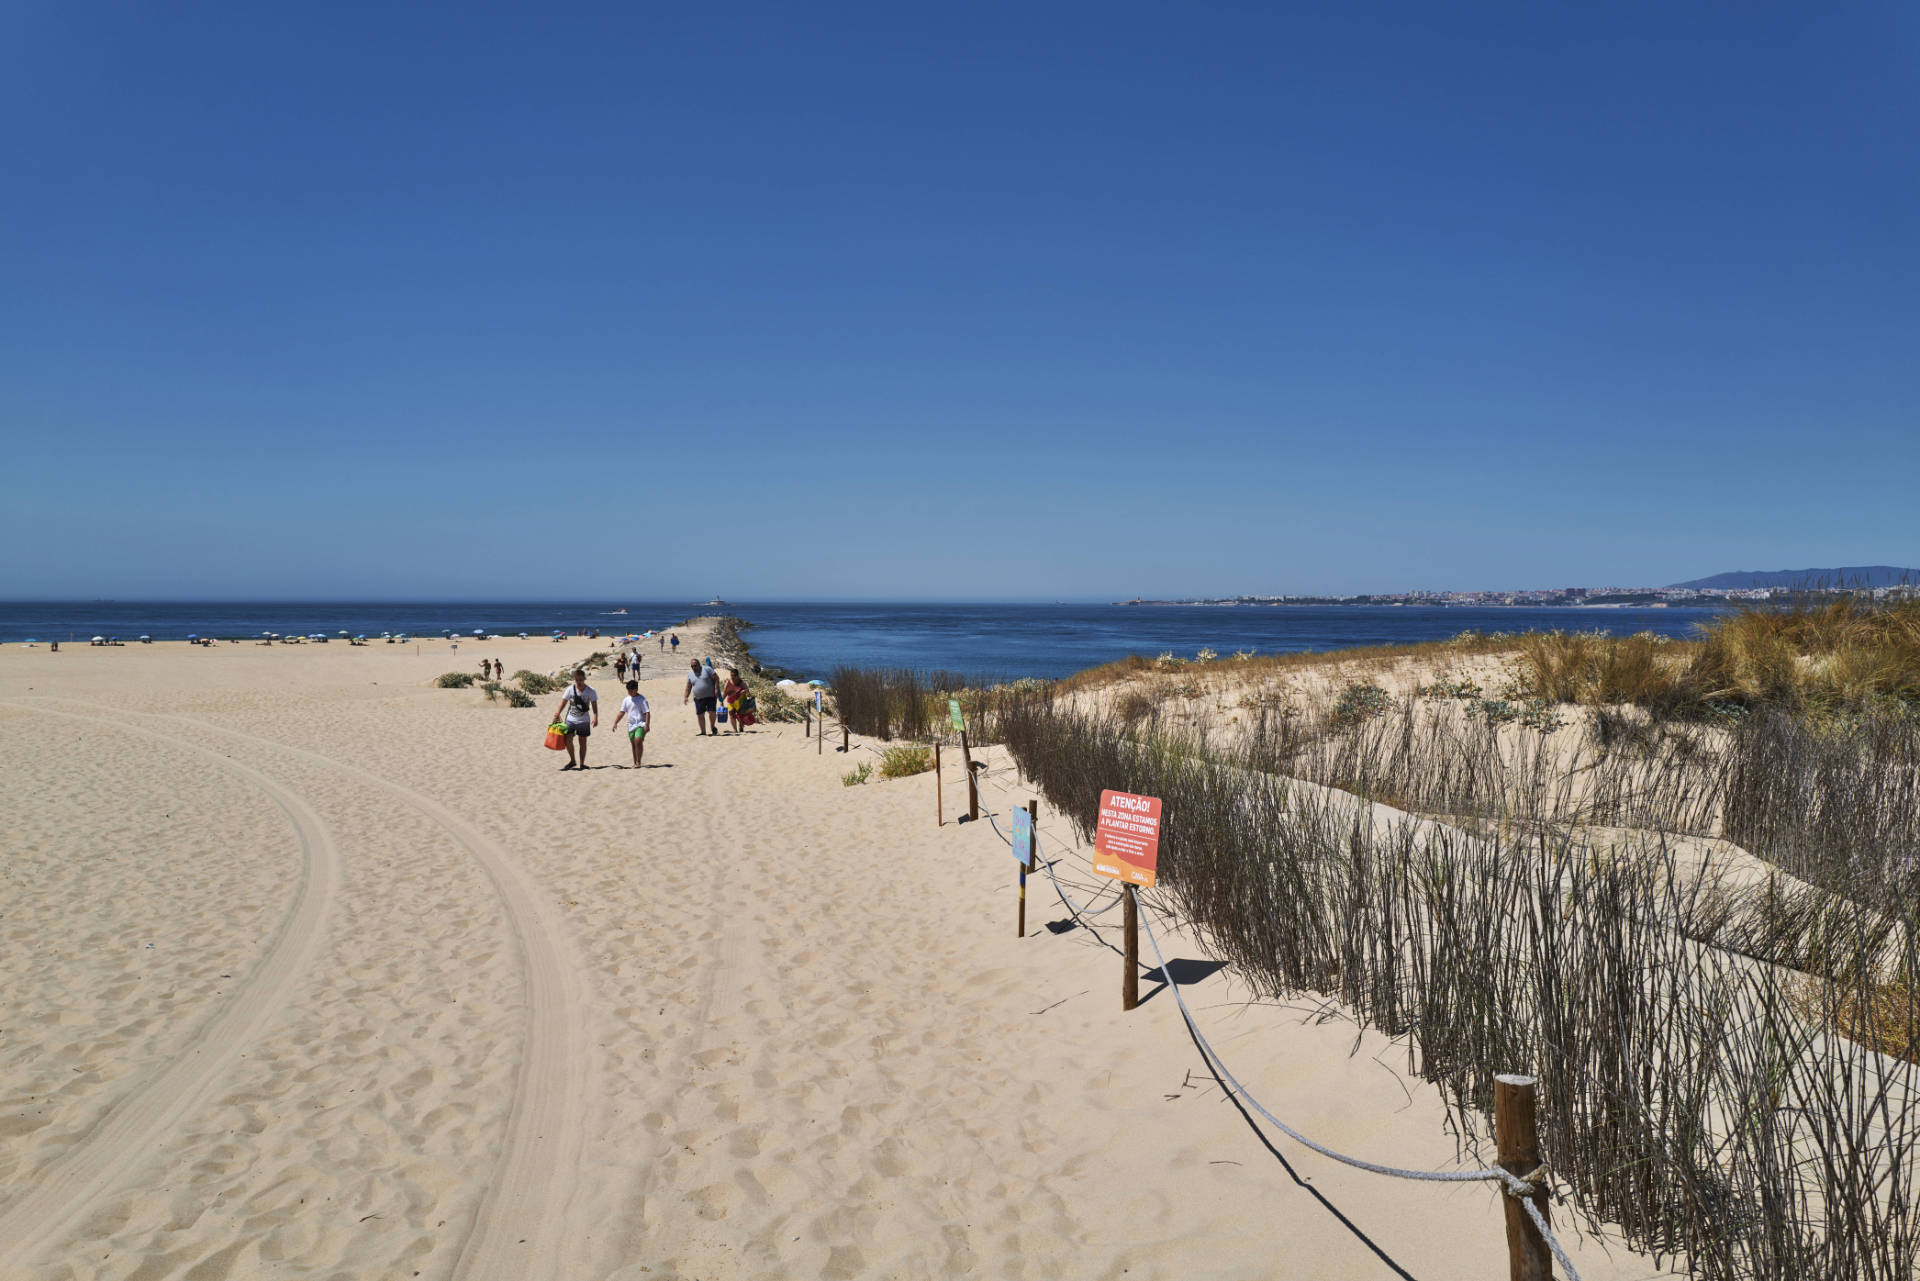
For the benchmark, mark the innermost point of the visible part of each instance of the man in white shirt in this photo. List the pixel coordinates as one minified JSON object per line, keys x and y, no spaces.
{"x":580,"y":710}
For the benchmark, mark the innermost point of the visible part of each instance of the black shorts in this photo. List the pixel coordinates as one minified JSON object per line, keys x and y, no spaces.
{"x":704,"y":706}
{"x":582,"y":730}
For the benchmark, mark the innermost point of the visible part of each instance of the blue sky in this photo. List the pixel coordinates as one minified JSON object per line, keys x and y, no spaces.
{"x":999,"y":301}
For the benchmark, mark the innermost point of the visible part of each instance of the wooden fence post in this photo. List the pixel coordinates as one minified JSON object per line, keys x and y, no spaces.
{"x":973,"y":788}
{"x":844,"y":748}
{"x":939,"y":804}
{"x":1518,"y":1145}
{"x":1033,"y":825}
{"x":1130,"y":927}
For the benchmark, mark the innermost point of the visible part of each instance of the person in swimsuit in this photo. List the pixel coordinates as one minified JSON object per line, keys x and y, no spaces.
{"x":734,"y":694}
{"x":580,"y":709}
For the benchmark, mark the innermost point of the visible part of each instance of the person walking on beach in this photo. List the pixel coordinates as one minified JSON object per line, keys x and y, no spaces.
{"x":580,"y":709}
{"x":639,"y":720}
{"x":674,"y":640}
{"x":620,"y":667}
{"x":734,"y":694}
{"x":703,"y":687}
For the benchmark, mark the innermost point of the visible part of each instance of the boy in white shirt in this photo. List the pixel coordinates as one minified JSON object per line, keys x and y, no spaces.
{"x":639,"y":720}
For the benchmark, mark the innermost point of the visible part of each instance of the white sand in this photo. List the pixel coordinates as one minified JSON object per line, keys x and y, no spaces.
{"x":417,"y":1002}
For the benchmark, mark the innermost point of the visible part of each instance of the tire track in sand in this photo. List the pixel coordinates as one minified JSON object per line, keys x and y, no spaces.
{"x":519,"y":1230}
{"x":65,"y":1192}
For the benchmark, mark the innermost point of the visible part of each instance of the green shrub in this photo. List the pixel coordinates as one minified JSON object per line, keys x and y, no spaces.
{"x":859,"y":776}
{"x":535,"y":683}
{"x":904,"y":762}
{"x":774,"y":704}
{"x":1359,"y":703}
{"x":455,"y":680}
{"x":518,"y":697}
{"x":491,"y":689}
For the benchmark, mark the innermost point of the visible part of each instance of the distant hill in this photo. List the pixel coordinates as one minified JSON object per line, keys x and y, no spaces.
{"x":1844,"y":576}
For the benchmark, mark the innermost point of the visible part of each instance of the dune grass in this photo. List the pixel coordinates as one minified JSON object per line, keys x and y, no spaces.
{"x":1699,"y":1099}
{"x":904,"y":761}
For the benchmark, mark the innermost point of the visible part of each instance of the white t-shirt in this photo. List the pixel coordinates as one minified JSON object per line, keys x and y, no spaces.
{"x":635,"y":706}
{"x":578,"y":702}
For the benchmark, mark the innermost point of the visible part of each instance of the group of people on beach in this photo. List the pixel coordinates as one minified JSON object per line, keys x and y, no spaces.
{"x":579,"y":709}
{"x":709,"y":694}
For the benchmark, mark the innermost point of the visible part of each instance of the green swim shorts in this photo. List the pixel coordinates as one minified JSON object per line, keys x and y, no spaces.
{"x":637,"y":733}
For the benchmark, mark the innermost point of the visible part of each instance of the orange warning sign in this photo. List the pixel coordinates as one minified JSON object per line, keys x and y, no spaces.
{"x":1126,"y":842}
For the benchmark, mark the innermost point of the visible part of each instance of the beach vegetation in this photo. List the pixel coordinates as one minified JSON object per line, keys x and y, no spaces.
{"x":455,"y":680}
{"x":909,"y":703}
{"x":774,"y":704}
{"x":517,"y":697}
{"x":491,"y":689}
{"x":855,"y":777}
{"x":1361,"y":701}
{"x":1710,"y":1049}
{"x":535,"y":683}
{"x":905,"y":760}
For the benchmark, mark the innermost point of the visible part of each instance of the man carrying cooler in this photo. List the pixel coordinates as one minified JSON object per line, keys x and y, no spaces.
{"x":580,"y":709}
{"x":703,"y":687}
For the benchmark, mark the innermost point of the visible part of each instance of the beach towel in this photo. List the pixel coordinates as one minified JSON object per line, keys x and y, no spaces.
{"x":557,"y":736}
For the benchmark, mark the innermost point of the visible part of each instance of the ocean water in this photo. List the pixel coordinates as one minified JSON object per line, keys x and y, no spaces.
{"x":811,"y":639}
{"x":1057,"y":640}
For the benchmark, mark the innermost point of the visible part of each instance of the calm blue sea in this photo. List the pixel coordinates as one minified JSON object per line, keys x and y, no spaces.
{"x":811,"y":639}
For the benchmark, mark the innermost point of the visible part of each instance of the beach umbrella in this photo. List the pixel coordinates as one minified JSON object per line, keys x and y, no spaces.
{"x":33,"y":640}
{"x":523,"y":635}
{"x":144,"y":636}
{"x":193,"y":635}
{"x":99,"y":638}
{"x":476,"y":631}
{"x":783,"y":683}
{"x":343,"y":633}
{"x":821,"y":683}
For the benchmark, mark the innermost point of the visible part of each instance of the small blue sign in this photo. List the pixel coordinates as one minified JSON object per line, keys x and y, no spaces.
{"x":1023,"y":837}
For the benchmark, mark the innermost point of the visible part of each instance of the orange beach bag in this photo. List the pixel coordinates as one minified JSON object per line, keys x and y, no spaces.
{"x":557,"y":736}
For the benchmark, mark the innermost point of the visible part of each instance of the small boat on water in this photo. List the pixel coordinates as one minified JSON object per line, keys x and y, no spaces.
{"x":715,"y":601}
{"x":621,"y":610}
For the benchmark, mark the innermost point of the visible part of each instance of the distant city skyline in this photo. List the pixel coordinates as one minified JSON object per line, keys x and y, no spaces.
{"x":994,"y":303}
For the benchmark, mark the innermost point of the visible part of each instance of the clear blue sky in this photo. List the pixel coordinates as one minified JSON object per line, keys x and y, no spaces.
{"x":953,"y":301}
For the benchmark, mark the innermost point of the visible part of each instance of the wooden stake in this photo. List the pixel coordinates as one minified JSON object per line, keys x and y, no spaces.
{"x":939,"y":802}
{"x":1518,"y":1146}
{"x":1130,"y":927}
{"x":844,"y":748}
{"x":1033,"y":824}
{"x":973,"y":788}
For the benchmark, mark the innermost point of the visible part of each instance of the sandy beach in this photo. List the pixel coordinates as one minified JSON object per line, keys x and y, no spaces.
{"x":314,"y":969}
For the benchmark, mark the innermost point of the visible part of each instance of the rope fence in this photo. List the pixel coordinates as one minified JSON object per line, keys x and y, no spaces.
{"x":1526,"y":1191}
